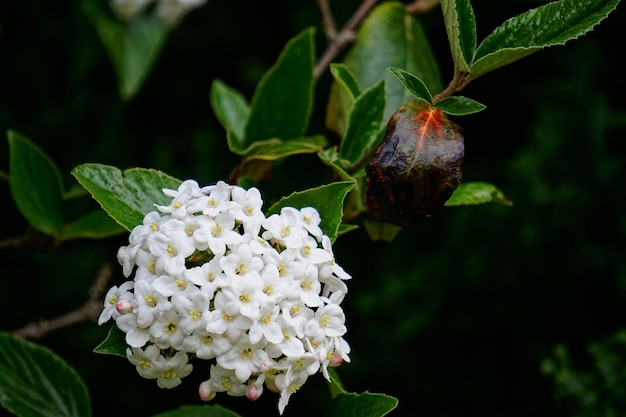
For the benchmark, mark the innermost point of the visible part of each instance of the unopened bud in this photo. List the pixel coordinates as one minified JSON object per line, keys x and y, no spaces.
{"x":253,"y":391}
{"x":205,"y":391}
{"x":124,"y":307}
{"x":335,"y":361}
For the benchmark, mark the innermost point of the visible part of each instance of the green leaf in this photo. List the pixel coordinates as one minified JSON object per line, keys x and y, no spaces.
{"x":273,"y":149}
{"x":413,"y":84}
{"x":283,"y":100}
{"x":36,"y":382}
{"x":548,"y":25}
{"x":126,"y":196}
{"x":389,"y":37}
{"x":460,"y":24}
{"x":344,"y":77}
{"x":364,"y":124}
{"x":133,"y":45}
{"x":114,"y":344}
{"x":459,"y":105}
{"x":36,"y":184}
{"x":381,"y":231}
{"x":330,"y":157}
{"x":335,"y":385}
{"x":344,"y":89}
{"x":477,"y":193}
{"x":231,"y":110}
{"x":327,"y":199}
{"x":95,"y":225}
{"x":362,"y":405}
{"x":213,"y":410}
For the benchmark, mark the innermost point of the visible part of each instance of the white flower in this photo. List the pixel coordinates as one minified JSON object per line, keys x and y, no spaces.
{"x":113,"y":296}
{"x":193,"y":307}
{"x":206,"y":345}
{"x":143,"y":359}
{"x":186,"y":191}
{"x":245,"y":358}
{"x":171,"y":370}
{"x":224,"y":380}
{"x":288,"y":384}
{"x":215,"y":199}
{"x":259,"y":298}
{"x":265,"y":326}
{"x":284,"y":229}
{"x":208,"y":277}
{"x":217,"y":233}
{"x":166,"y":330}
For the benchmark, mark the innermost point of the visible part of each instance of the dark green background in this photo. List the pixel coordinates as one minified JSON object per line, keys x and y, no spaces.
{"x":454,"y":318}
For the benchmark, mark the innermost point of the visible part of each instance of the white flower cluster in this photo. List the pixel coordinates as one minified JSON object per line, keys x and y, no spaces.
{"x":215,"y":279}
{"x":169,"y":11}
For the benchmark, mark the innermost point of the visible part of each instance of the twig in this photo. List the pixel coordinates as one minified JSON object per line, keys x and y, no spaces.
{"x":421,"y":6}
{"x":327,"y":18}
{"x":341,"y":39}
{"x":89,"y":311}
{"x":15,"y":242}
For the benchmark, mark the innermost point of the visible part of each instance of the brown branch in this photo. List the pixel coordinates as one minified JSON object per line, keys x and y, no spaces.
{"x":15,"y":242}
{"x":327,"y":18}
{"x":344,"y":37}
{"x":89,"y":311}
{"x":421,"y":6}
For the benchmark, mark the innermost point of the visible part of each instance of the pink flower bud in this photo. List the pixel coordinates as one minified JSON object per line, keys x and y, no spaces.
{"x":336,"y":360}
{"x":205,"y":391}
{"x":124,"y":307}
{"x":253,"y":392}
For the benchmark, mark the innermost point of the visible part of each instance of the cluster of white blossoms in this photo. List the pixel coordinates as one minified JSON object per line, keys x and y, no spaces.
{"x":215,"y":279}
{"x":169,"y":11}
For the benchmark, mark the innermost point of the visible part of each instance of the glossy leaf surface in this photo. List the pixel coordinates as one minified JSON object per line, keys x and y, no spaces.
{"x":127,"y":196}
{"x":35,"y":184}
{"x":551,"y":24}
{"x":417,"y":166}
{"x":36,"y":382}
{"x":282,"y":102}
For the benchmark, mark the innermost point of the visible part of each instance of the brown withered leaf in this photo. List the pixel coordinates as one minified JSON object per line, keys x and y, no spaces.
{"x":416,"y":168}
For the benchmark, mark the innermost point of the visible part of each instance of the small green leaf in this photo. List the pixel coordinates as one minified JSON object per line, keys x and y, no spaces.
{"x":459,"y":105}
{"x":132,"y":45}
{"x":389,"y":37}
{"x":213,"y":410}
{"x":345,"y":78}
{"x":381,"y":231}
{"x":114,"y":344}
{"x":362,"y":405}
{"x":548,"y":25}
{"x":477,"y":193}
{"x":346,"y":228}
{"x":95,"y":225}
{"x":413,"y":84}
{"x":36,"y":184}
{"x":36,"y":382}
{"x":231,"y":110}
{"x":461,"y":27}
{"x":344,"y":90}
{"x":282,"y":103}
{"x":364,"y":124}
{"x":335,"y":385}
{"x":330,"y":157}
{"x":273,"y":149}
{"x":126,"y":196}
{"x":327,"y":199}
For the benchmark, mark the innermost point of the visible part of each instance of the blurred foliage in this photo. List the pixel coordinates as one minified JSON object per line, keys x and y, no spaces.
{"x":455,"y":318}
